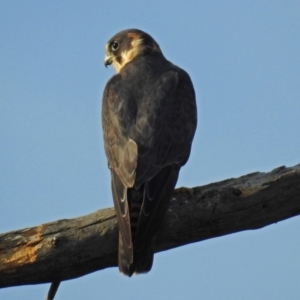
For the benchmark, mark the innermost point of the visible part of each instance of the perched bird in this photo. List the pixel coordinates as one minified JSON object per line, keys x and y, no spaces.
{"x":149,"y":119}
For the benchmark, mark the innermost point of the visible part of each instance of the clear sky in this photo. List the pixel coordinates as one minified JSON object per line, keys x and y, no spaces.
{"x":244,"y":60}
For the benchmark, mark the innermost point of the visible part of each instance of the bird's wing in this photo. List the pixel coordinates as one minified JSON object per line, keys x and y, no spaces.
{"x":165,"y":126}
{"x":121,"y":152}
{"x":118,"y":113}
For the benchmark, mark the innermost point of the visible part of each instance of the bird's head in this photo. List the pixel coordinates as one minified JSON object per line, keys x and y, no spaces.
{"x":126,"y":46}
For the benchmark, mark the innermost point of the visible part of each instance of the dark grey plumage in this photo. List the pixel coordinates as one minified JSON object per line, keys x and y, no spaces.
{"x":149,"y":119}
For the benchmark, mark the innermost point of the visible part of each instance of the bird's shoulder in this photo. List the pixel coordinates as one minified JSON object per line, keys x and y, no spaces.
{"x":143,"y":73}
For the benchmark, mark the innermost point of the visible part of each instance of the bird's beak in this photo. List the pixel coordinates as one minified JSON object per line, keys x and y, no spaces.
{"x":108,"y":60}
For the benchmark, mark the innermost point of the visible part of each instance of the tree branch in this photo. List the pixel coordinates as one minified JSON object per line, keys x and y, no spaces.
{"x":70,"y":248}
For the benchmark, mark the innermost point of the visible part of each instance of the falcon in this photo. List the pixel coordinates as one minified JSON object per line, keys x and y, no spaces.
{"x":149,"y":119}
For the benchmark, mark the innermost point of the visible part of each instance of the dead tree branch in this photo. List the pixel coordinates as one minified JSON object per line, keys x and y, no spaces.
{"x":70,"y":248}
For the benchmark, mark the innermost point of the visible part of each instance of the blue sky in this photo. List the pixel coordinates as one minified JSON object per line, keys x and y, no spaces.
{"x":243,"y":57}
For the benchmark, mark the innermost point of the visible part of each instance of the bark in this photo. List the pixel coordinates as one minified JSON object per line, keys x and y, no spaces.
{"x":70,"y":248}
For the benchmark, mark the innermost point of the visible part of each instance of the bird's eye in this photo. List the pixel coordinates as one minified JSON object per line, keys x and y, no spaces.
{"x":114,"y":46}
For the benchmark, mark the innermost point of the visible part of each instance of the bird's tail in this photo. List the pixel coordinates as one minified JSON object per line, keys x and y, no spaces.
{"x":142,"y":259}
{"x":148,"y":207}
